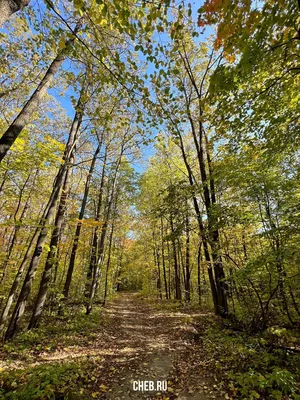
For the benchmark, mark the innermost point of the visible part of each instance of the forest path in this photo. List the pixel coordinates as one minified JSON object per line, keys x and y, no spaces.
{"x":134,"y":340}
{"x":153,"y":345}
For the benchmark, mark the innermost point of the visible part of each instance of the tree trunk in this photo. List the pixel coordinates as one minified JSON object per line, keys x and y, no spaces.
{"x":49,"y":215}
{"x":163,"y":259}
{"x":97,"y":266}
{"x":201,"y":228}
{"x":79,"y":225}
{"x":21,"y":269}
{"x":199,"y":274}
{"x":187,"y":262}
{"x":208,"y":188}
{"x":96,"y":272}
{"x":109,"y":256}
{"x":9,"y":7}
{"x":52,"y":255}
{"x":176,"y":268}
{"x":217,"y":260}
{"x":24,"y":116}
{"x":157,"y":262}
{"x":94,"y":249}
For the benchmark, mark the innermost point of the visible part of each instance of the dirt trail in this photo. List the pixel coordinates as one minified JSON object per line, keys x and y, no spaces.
{"x":152,"y":345}
{"x":136,"y":341}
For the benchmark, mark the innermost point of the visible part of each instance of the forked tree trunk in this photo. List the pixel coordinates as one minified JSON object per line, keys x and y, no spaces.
{"x":19,"y":275}
{"x":26,"y":288}
{"x":208,"y":187}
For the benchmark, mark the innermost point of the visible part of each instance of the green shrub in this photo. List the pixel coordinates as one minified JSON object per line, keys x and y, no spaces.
{"x":274,"y":385}
{"x":46,"y":382}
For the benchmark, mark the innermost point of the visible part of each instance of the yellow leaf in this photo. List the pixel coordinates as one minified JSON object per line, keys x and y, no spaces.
{"x":62,"y":43}
{"x":230,"y":58}
{"x":103,"y":388}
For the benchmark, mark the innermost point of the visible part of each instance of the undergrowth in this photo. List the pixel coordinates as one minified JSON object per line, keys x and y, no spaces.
{"x":264,"y":366}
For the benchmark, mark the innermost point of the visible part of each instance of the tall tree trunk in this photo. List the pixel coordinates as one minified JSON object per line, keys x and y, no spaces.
{"x":199,"y":274}
{"x":187,"y":262}
{"x":201,"y":226}
{"x":215,"y":245}
{"x":46,"y":222}
{"x":169,"y":269}
{"x":119,"y":269}
{"x":94,"y":249}
{"x":24,"y":116}
{"x":163,"y":258}
{"x":96,"y":273}
{"x":52,"y":255}
{"x":157,"y":263}
{"x":97,"y":266}
{"x":79,"y":225}
{"x":109,"y":253}
{"x":208,"y":188}
{"x":176,"y":267}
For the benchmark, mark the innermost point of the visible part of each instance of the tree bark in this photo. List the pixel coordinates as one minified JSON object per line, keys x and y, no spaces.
{"x":9,"y":7}
{"x":163,"y":258}
{"x":157,"y":263}
{"x":176,"y":267}
{"x":187,"y":262}
{"x":109,"y":253}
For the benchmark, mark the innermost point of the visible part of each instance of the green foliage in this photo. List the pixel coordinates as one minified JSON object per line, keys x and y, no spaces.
{"x":58,"y":333}
{"x":42,"y":382}
{"x":253,"y":367}
{"x":273,"y":385}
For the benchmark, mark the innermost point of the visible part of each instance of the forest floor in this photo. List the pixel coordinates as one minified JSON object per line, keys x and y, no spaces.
{"x":132,"y":339}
